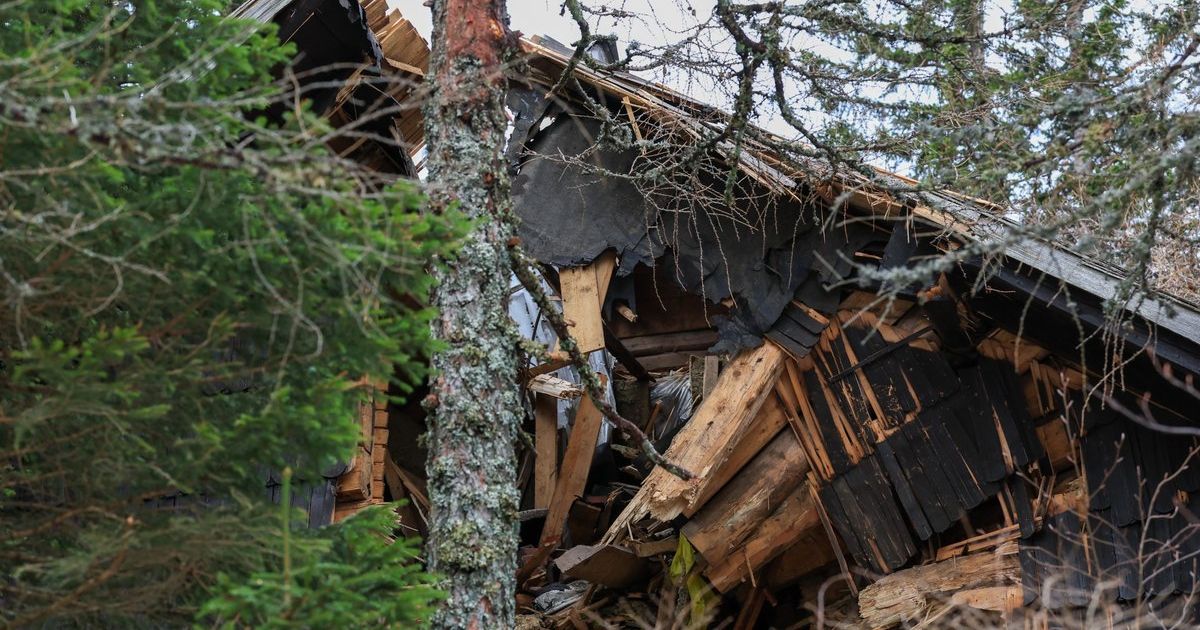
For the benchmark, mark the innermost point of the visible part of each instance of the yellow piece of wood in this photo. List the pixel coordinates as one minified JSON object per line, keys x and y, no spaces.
{"x":583,"y":290}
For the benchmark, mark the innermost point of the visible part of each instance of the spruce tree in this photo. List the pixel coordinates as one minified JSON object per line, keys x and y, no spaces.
{"x":189,"y":293}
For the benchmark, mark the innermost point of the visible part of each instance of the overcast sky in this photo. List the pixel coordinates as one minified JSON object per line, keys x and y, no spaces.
{"x":541,"y":17}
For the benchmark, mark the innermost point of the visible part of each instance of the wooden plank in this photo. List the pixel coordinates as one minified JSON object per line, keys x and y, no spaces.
{"x":583,"y":290}
{"x":608,"y":565}
{"x":554,"y":387}
{"x":907,"y":595}
{"x":795,"y":518}
{"x":545,"y":472}
{"x":839,"y":445}
{"x":572,"y":477}
{"x":708,"y":440}
{"x":656,"y":547}
{"x":745,"y":502}
{"x":691,"y":340}
{"x":811,"y":435}
{"x":771,"y":419}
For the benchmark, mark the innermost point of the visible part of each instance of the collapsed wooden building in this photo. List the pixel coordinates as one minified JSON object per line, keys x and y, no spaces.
{"x":982,"y":437}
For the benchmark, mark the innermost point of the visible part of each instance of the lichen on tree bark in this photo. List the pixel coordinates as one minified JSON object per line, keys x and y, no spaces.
{"x":474,"y":404}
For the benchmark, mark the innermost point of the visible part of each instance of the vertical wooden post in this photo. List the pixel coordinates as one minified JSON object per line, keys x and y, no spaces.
{"x":545,"y":472}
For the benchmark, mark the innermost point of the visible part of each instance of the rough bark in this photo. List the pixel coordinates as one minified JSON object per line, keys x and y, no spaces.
{"x":474,"y":404}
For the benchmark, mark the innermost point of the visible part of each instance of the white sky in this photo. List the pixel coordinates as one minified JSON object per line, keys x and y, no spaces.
{"x":541,"y":17}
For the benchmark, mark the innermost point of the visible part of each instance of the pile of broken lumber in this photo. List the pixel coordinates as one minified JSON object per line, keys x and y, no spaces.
{"x":846,"y":451}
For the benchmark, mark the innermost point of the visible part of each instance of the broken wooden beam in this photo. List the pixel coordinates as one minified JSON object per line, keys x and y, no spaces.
{"x":582,"y":290}
{"x":794,"y":519}
{"x":572,"y":476}
{"x":910,"y":593}
{"x":737,"y":510}
{"x":772,"y":417}
{"x":706,"y":442}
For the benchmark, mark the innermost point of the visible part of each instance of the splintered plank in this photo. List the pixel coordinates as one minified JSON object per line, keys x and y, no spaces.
{"x":583,"y":290}
{"x":771,"y":419}
{"x":907,"y":595}
{"x":741,"y":506}
{"x":794,"y":519}
{"x":554,"y":387}
{"x":708,"y":440}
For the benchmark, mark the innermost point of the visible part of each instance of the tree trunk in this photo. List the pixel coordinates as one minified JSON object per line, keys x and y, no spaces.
{"x":474,"y":404}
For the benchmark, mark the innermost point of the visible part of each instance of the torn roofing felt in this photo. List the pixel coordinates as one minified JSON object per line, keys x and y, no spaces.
{"x":569,"y":214}
{"x":577,"y":198}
